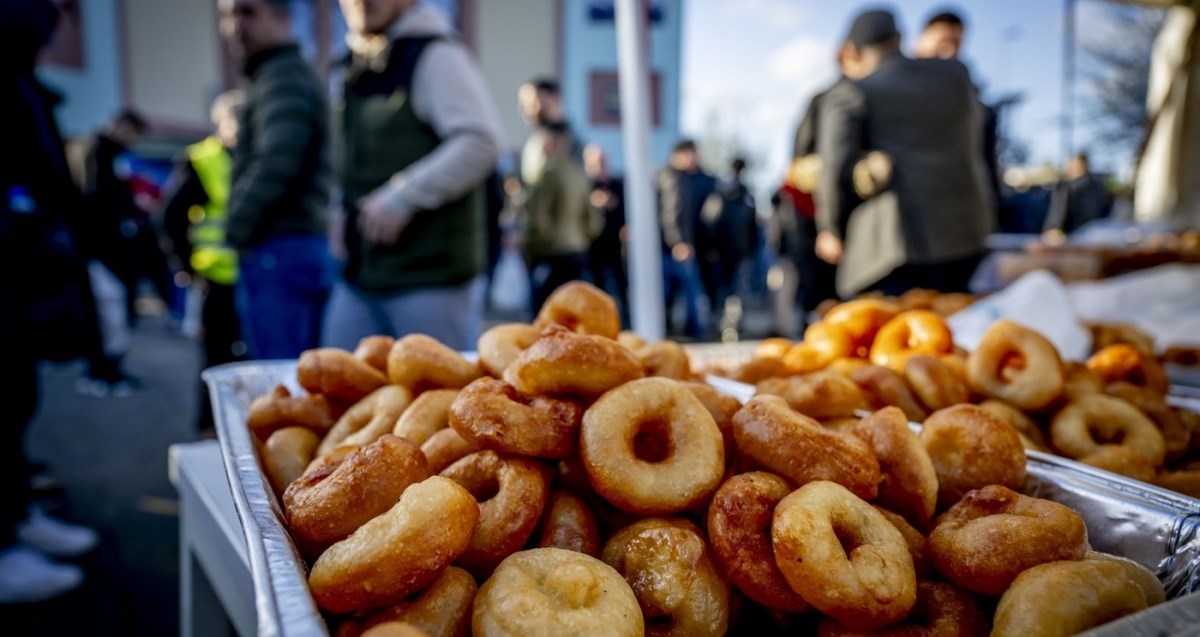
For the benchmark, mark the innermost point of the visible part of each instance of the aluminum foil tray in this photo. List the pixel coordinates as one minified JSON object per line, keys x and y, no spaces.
{"x":1157,"y":528}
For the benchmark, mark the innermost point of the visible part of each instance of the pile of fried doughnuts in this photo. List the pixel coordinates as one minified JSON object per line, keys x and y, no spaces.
{"x":578,"y":481}
{"x":1110,"y":411}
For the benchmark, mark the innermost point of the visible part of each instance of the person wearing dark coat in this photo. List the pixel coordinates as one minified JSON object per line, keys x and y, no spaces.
{"x":682,"y":188}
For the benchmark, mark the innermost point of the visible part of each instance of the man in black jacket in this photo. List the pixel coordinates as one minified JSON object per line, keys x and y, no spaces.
{"x":279,"y":196}
{"x":682,"y":187}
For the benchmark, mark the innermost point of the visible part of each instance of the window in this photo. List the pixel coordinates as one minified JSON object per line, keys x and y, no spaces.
{"x":604,"y":94}
{"x":605,"y":11}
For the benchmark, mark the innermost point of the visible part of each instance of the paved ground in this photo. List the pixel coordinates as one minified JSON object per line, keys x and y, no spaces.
{"x":109,"y":457}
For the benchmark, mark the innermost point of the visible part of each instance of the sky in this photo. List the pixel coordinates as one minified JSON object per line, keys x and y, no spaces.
{"x":750,"y":66}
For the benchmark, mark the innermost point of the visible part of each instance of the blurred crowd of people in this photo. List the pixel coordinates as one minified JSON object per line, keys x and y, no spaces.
{"x":894,"y":186}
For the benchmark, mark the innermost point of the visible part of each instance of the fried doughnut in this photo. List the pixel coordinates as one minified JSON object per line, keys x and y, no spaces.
{"x":1185,"y":482}
{"x":1016,"y":365}
{"x":374,"y":350}
{"x":935,"y":382}
{"x":374,"y":415}
{"x":1065,"y":598}
{"x":971,"y":448}
{"x":994,"y":533}
{"x":1121,"y":460}
{"x":583,"y":308}
{"x":910,"y":484}
{"x":721,"y":407}
{"x":739,"y":531}
{"x":1082,"y":426}
{"x":918,"y":544}
{"x":908,"y":334}
{"x":843,"y":425}
{"x":801,"y":450}
{"x":499,"y":346}
{"x":493,"y":415}
{"x":569,"y":524}
{"x":512,"y":493}
{"x":549,"y":592}
{"x":279,"y":409}
{"x":1152,"y":589}
{"x":918,"y":299}
{"x":818,"y":395}
{"x":337,"y":374}
{"x":666,"y":359}
{"x":563,"y":362}
{"x":631,"y":340}
{"x":326,"y":507}
{"x":843,"y":557}
{"x":1031,"y":434}
{"x":1079,"y":381}
{"x":774,"y":347}
{"x":952,"y":302}
{"x":650,"y":447}
{"x":1176,"y":435}
{"x":830,"y":341}
{"x":427,"y":415}
{"x":1122,"y":362}
{"x":443,"y":609}
{"x":1105,"y":334}
{"x":286,"y":454}
{"x":667,"y":564}
{"x":1182,"y":356}
{"x":862,"y":319}
{"x":942,"y":610}
{"x":446,"y":447}
{"x":882,"y":387}
{"x":421,"y":363}
{"x":395,"y":629}
{"x":759,"y":369}
{"x":801,"y":359}
{"x":399,"y":552}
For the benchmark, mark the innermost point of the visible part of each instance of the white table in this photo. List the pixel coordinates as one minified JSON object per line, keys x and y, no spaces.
{"x":216,"y":593}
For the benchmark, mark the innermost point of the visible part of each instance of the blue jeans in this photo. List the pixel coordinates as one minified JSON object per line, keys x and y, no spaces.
{"x":683,"y":277}
{"x":451,"y":314}
{"x":282,"y":287}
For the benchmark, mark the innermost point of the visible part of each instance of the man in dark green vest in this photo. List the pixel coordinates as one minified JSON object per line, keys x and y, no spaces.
{"x":416,"y":134}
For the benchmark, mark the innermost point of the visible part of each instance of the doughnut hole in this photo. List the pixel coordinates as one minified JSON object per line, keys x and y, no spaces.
{"x":652,"y":441}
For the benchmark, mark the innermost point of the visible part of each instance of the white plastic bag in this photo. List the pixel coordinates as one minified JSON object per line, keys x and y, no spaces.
{"x":1037,"y":300}
{"x":510,"y":283}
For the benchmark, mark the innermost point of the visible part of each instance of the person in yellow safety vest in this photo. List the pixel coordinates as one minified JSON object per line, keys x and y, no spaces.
{"x":194,"y":218}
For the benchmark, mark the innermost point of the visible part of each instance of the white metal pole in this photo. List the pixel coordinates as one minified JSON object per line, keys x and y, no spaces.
{"x":645,"y":252}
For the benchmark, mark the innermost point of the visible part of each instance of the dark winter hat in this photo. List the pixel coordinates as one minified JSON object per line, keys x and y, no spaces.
{"x":872,"y":27}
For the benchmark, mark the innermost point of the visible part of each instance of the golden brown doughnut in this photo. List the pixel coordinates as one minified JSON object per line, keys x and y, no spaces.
{"x":1177,"y":436}
{"x":721,"y":407}
{"x":942,"y":610}
{"x":910,"y":484}
{"x":801,"y":450}
{"x":1105,"y":334}
{"x":970,"y":448}
{"x":843,"y":557}
{"x":493,"y":415}
{"x":908,"y":334}
{"x":395,"y":629}
{"x":583,"y":308}
{"x":883,"y":387}
{"x":666,"y":359}
{"x":1122,"y":362}
{"x":994,"y":533}
{"x":1031,"y":434}
{"x":1185,"y":482}
{"x":374,"y":350}
{"x":936,"y":384}
{"x":1181,"y":355}
{"x":774,"y":347}
{"x":427,"y":415}
{"x":739,"y":531}
{"x":650,"y":447}
{"x":1085,"y":424}
{"x":442,"y":609}
{"x":499,"y":346}
{"x":818,"y":395}
{"x":421,"y":363}
{"x":1065,"y":598}
{"x":337,"y":374}
{"x":1016,"y":365}
{"x":285,"y":455}
{"x":632,"y":341}
{"x":843,"y":425}
{"x":563,"y":362}
{"x":569,"y":524}
{"x":1152,"y":589}
{"x":667,"y":564}
{"x":326,"y":507}
{"x":399,"y":552}
{"x":801,"y":358}
{"x":1121,"y":460}
{"x":369,"y":418}
{"x":759,"y":369}
{"x":279,"y":409}
{"x":952,"y":302}
{"x":1079,"y":381}
{"x":446,"y":447}
{"x":829,"y":341}
{"x":549,"y":592}
{"x":862,"y":319}
{"x":918,"y":544}
{"x":918,"y":299}
{"x":512,"y":493}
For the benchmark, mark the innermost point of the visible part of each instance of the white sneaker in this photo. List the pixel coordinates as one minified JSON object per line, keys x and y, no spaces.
{"x":55,"y":537}
{"x":28,"y":576}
